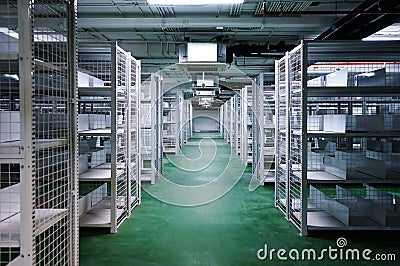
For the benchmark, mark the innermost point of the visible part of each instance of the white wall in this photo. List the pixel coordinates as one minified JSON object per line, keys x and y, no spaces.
{"x":205,"y":120}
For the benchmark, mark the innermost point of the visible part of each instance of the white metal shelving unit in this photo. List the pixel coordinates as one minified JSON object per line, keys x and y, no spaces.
{"x":172,"y":117}
{"x":263,"y":131}
{"x":37,"y":143}
{"x":186,"y":124}
{"x":249,"y":120}
{"x":257,"y":132}
{"x":108,"y":138}
{"x":338,"y":136}
{"x":151,"y":126}
{"x":237,"y":121}
{"x":243,"y":128}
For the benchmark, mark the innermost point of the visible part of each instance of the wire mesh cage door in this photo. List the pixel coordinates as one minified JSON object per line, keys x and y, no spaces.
{"x":133,"y":161}
{"x":282,"y":135}
{"x":119,"y":128}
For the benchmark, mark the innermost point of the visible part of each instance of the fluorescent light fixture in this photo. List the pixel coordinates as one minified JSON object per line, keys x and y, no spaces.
{"x":192,"y":2}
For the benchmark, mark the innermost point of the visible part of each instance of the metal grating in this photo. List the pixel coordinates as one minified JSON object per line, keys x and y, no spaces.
{"x":121,"y":135}
{"x":235,"y":10}
{"x":133,"y":134}
{"x":51,"y":124}
{"x":281,"y":7}
{"x":165,"y":11}
{"x":36,"y":174}
{"x":282,"y":149}
{"x":295,"y":138}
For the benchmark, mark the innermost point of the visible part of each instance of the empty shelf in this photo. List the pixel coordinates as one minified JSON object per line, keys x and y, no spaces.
{"x":96,"y":132}
{"x":9,"y":56}
{"x":96,"y":174}
{"x":322,"y":176}
{"x":13,"y":147}
{"x":100,"y":215}
{"x":145,"y":177}
{"x":10,"y":147}
{"x":322,"y":219}
{"x":44,"y":219}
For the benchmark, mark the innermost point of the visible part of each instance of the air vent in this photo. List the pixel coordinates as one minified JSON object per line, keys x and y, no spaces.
{"x":235,"y":10}
{"x":166,"y":12}
{"x":173,"y":29}
{"x":209,"y":68}
{"x":282,"y":7}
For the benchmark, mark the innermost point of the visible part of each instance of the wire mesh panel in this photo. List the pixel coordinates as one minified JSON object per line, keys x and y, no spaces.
{"x":52,"y":134}
{"x":121,"y":136}
{"x":258,"y":145}
{"x":145,"y":131}
{"x":37,"y":176}
{"x":10,"y":134}
{"x":281,"y":137}
{"x":237,"y":122}
{"x":243,"y":125}
{"x":296,"y":137}
{"x":250,"y":119}
{"x":133,"y":134}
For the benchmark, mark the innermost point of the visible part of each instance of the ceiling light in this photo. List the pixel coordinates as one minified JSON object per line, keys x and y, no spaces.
{"x":192,"y":2}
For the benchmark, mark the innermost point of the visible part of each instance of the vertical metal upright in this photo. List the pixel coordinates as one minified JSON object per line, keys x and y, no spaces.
{"x":304,"y":141}
{"x":27,"y":249}
{"x":73,"y":119}
{"x":244,"y":133}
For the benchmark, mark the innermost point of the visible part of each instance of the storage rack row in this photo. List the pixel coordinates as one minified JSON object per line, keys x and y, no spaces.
{"x":228,"y":118}
{"x":263,"y":130}
{"x":151,"y":128}
{"x":337,"y":136}
{"x":237,"y":123}
{"x":186,"y":129}
{"x":37,"y":144}
{"x":247,"y":118}
{"x":177,"y":121}
{"x":234,"y":123}
{"x":108,"y":95}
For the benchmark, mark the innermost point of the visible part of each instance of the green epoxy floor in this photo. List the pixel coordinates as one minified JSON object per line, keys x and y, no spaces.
{"x":228,"y":231}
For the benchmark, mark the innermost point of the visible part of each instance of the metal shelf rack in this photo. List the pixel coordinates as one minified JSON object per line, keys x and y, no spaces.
{"x":247,"y":118}
{"x":263,"y":103}
{"x":151,"y":126}
{"x":185,"y":132}
{"x":108,"y":135}
{"x":172,"y":116}
{"x":237,"y":121}
{"x":337,"y":113}
{"x":37,"y":169}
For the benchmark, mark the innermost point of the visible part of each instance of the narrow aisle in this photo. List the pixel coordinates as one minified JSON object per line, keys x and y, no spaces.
{"x":223,"y":232}
{"x":228,"y":231}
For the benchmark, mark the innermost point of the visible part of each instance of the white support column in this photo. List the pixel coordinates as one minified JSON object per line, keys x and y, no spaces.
{"x":27,"y":237}
{"x":113,"y":212}
{"x":138,"y":129}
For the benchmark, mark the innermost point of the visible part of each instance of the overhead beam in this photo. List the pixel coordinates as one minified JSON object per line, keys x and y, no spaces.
{"x":274,"y":22}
